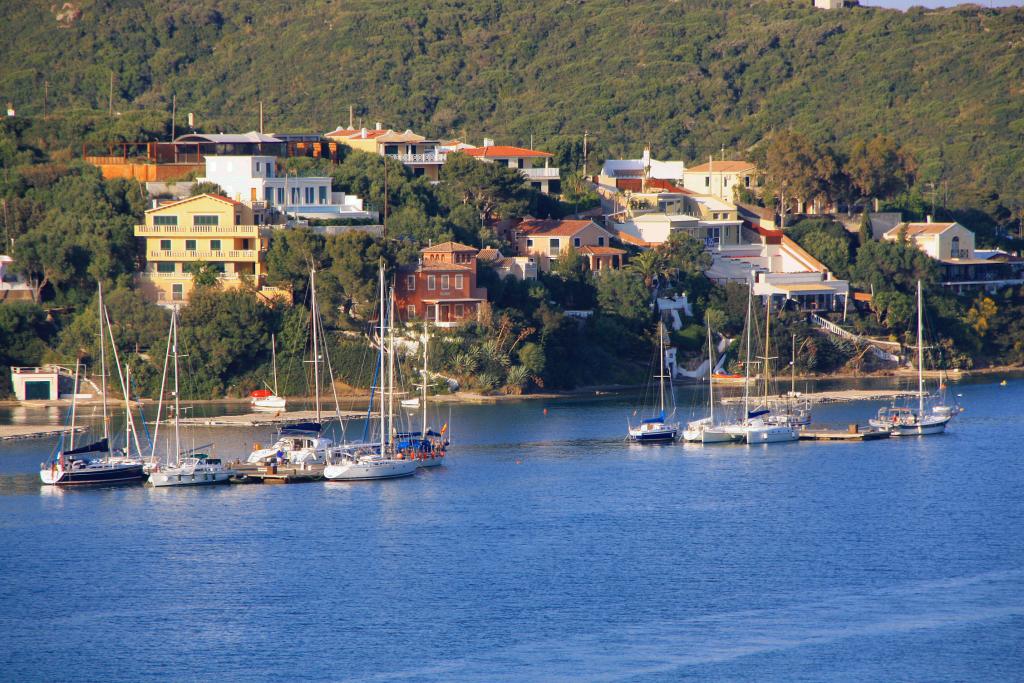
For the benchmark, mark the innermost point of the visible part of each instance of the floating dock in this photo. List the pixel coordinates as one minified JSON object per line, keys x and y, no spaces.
{"x":840,"y":396}
{"x":16,"y":432}
{"x":852,"y":433}
{"x":249,"y":473}
{"x":267,"y":419}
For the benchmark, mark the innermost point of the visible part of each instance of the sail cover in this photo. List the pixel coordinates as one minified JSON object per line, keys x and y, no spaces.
{"x":100,"y":446}
{"x":303,"y":428}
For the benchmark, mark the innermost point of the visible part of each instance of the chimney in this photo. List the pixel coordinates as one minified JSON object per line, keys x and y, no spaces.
{"x":363,"y":132}
{"x":928,"y":218}
{"x":488,"y":142}
{"x":377,"y":125}
{"x":646,"y":158}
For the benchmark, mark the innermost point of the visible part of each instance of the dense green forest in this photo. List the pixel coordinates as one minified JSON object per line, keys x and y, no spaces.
{"x":687,"y":77}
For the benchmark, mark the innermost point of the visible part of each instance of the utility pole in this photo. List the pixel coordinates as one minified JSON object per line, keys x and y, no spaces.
{"x":46,"y":92}
{"x":110,"y":95}
{"x":174,"y":114}
{"x":384,"y":216}
{"x":351,"y":112}
{"x":586,"y":134}
{"x":261,"y":117}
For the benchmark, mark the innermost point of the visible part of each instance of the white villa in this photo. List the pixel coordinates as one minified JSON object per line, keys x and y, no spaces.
{"x":255,"y":179}
{"x":720,"y":178}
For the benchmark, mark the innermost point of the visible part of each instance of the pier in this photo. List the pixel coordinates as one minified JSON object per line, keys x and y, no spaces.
{"x":16,"y":432}
{"x":267,"y":419}
{"x":250,"y":473}
{"x":851,"y":433}
{"x":840,"y":396}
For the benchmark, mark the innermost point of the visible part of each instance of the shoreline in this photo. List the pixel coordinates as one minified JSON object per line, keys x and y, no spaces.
{"x":361,"y":399}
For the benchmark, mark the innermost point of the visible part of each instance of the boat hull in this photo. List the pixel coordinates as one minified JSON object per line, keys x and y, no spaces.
{"x":717,"y":435}
{"x":428,"y":461}
{"x":924,"y":428}
{"x":368,"y":470}
{"x":269,"y":404}
{"x":771,"y":434}
{"x":665,"y":436}
{"x":94,"y":476}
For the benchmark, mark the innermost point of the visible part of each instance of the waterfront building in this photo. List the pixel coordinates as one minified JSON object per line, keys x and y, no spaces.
{"x":545,"y":179}
{"x":416,"y":152}
{"x":721,"y":178}
{"x":206,"y":228}
{"x":441,"y":288}
{"x":619,"y":175}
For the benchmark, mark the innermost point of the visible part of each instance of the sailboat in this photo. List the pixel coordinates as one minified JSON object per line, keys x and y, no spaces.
{"x":268,"y":400}
{"x":705,"y":430}
{"x":182,"y":467}
{"x":426,"y":446}
{"x":761,"y":426}
{"x":95,"y":463}
{"x":361,"y":462}
{"x":656,"y":429}
{"x":904,"y":421}
{"x":302,"y":443}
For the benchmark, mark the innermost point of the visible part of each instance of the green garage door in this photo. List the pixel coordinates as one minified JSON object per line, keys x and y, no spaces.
{"x":37,"y":391}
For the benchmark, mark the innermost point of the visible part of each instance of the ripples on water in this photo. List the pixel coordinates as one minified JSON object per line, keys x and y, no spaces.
{"x":546,"y":549}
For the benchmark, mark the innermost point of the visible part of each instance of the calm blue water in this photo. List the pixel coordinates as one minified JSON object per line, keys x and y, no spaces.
{"x":546,"y":550}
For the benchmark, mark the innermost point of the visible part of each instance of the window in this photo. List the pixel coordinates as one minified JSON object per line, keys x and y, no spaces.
{"x":166,"y":267}
{"x":600,"y":241}
{"x":258,"y":165}
{"x":310,"y":195}
{"x":417,"y":172}
{"x":218,"y":266}
{"x":954,"y":251}
{"x":268,"y":195}
{"x":410,"y":283}
{"x":205,"y":220}
{"x":214,"y":245}
{"x":575,"y":241}
{"x":707,"y":181}
{"x":165,"y":245}
{"x":391,"y":149}
{"x":323,"y":194}
{"x":529,"y":242}
{"x":190,"y":245}
{"x":445,"y":283}
{"x":177,"y":292}
{"x":165,"y":220}
{"x":280,"y":195}
{"x":459,"y":282}
{"x":554,"y":246}
{"x":746,"y":181}
{"x":460,"y":310}
{"x":270,"y":170}
{"x":295,"y":195}
{"x":431,"y":283}
{"x":410,"y":310}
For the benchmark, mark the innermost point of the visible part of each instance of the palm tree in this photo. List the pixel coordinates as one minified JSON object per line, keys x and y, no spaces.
{"x":652,"y":267}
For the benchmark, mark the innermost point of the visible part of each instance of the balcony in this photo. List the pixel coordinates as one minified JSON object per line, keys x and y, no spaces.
{"x":187,"y":276}
{"x":207,"y":255}
{"x":189,"y":230}
{"x":430,"y":158}
{"x":540,"y":173}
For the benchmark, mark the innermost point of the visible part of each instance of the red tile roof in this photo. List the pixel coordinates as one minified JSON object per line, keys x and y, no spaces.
{"x":631,"y":239}
{"x":722,"y":167}
{"x":554,"y":228}
{"x":504,"y":151}
{"x":447,"y":248}
{"x":340,"y":132}
{"x":600,"y":251}
{"x":218,"y":197}
{"x":922,"y":228}
{"x":226,"y":199}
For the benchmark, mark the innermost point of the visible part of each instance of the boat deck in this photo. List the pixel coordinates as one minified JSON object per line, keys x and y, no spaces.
{"x":853,"y":433}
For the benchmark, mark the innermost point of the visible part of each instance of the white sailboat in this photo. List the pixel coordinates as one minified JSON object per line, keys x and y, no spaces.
{"x":705,"y":430}
{"x":268,"y":400}
{"x":428,"y":447}
{"x":303,"y":443}
{"x":761,"y":426}
{"x":181,"y":467}
{"x":363,"y":462}
{"x":656,"y":429}
{"x":904,"y":421}
{"x":95,"y":463}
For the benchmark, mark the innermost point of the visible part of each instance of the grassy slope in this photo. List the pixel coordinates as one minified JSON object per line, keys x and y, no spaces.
{"x":685,"y":76}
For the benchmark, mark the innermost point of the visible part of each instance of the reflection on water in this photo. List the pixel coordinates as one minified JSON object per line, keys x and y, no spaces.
{"x":546,"y":548}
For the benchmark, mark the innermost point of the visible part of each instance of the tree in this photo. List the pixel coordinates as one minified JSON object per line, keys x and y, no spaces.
{"x":981,"y":314}
{"x":623,"y":293}
{"x":292,"y":254}
{"x":205,"y":187}
{"x":652,"y":266}
{"x":355,"y":259}
{"x":879,"y":168}
{"x":865,"y":233}
{"x":893,"y":309}
{"x":795,"y":168}
{"x":569,"y":265}
{"x":830,"y":249}
{"x":493,"y":189}
{"x":884,"y":266}
{"x":204,"y":274}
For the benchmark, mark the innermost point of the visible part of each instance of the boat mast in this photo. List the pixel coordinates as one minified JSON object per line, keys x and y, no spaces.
{"x":163,"y":386}
{"x":177,"y":399}
{"x":314,"y":314}
{"x":381,"y":360}
{"x":746,"y":379}
{"x":74,"y":402}
{"x":767,"y":345}
{"x":920,"y":352}
{"x":128,"y":410}
{"x":792,"y":365}
{"x":391,"y":364}
{"x":423,"y":390}
{"x":711,"y":374}
{"x":103,"y":364}
{"x":661,"y":373}
{"x":273,"y":355}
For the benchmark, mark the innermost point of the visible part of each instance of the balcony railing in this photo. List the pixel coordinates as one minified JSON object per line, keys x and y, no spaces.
{"x":228,"y":230}
{"x":206,"y":255}
{"x":156,"y":275}
{"x":540,"y":173}
{"x":430,"y":158}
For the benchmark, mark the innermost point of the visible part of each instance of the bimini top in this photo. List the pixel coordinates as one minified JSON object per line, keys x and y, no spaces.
{"x":302,"y":429}
{"x":101,"y":446}
{"x":653,"y":420}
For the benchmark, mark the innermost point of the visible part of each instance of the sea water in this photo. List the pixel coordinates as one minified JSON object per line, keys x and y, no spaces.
{"x":545,"y":549}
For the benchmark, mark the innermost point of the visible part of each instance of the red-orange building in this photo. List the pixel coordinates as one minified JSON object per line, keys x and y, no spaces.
{"x":442,"y":287}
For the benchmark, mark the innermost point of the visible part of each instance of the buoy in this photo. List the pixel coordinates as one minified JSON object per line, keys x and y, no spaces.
{"x":546,"y":410}
{"x":1002,"y":384}
{"x":519,"y":462}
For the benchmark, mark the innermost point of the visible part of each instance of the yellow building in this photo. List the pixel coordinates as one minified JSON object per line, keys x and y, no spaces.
{"x":207,"y":228}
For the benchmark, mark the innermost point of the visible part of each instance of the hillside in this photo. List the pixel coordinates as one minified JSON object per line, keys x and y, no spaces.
{"x":686,"y":76}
